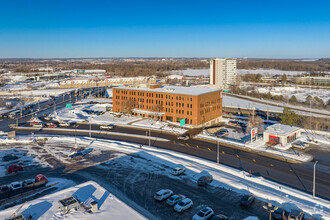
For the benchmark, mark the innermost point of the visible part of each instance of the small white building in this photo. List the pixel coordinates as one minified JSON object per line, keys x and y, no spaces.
{"x":281,"y":134}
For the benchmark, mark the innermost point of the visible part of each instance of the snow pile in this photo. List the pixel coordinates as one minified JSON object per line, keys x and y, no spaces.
{"x":109,"y":206}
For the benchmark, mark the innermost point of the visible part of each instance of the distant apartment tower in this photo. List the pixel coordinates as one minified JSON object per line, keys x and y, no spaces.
{"x":222,"y":72}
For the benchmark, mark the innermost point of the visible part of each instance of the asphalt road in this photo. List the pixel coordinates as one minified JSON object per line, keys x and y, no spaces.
{"x":295,"y":175}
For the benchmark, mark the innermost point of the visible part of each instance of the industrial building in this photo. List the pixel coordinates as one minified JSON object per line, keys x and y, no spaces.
{"x":281,"y":134}
{"x":197,"y":106}
{"x":222,"y":73}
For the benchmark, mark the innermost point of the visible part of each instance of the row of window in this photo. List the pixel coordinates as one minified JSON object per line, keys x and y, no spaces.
{"x":207,"y":110}
{"x":151,"y":94}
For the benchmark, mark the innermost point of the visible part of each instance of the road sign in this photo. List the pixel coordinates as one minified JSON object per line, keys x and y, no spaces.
{"x":226,"y":90}
{"x":182,"y":122}
{"x":254,"y":132}
{"x":68,"y":105}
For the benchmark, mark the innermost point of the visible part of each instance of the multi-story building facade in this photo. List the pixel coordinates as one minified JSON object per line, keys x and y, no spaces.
{"x":222,"y":73}
{"x":198,"y":106}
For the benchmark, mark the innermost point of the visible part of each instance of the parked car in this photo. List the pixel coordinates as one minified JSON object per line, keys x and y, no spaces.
{"x":183,"y":137}
{"x":163,"y":194}
{"x":178,"y":171}
{"x":219,"y":217}
{"x":28,"y":182}
{"x":233,"y":122}
{"x":223,"y":132}
{"x":39,"y":125}
{"x":40,"y":178}
{"x":16,"y":185}
{"x":279,"y":213}
{"x":9,"y":157}
{"x":14,"y":168}
{"x":300,"y":144}
{"x":106,"y":127}
{"x":296,"y":214}
{"x":174,"y":199}
{"x":205,"y":180}
{"x":64,"y":124}
{"x":183,"y":205}
{"x":203,"y":214}
{"x":51,"y":125}
{"x":47,"y":118}
{"x":4,"y":188}
{"x":247,"y":200}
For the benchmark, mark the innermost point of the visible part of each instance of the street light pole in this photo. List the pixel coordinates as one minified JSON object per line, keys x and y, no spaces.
{"x":314,"y":179}
{"x":149,"y":137}
{"x":218,"y":156}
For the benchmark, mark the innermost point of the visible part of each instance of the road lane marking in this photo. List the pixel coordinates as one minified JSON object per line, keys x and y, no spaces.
{"x":237,"y":156}
{"x":271,"y":165}
{"x":254,"y":160}
{"x":187,"y":144}
{"x":197,"y":146}
{"x":209,"y":149}
{"x":223,"y":152}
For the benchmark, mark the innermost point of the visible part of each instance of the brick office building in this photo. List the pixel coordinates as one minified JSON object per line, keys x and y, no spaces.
{"x":197,"y":106}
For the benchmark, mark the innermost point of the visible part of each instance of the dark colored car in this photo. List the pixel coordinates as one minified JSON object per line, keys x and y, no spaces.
{"x":279,"y":213}
{"x":296,"y":214}
{"x":247,"y":200}
{"x":204,"y":180}
{"x":219,"y":217}
{"x":9,"y":157}
{"x":223,"y":132}
{"x":4,"y":189}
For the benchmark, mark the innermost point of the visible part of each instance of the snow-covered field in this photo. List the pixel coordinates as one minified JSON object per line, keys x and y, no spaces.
{"x":37,"y":93}
{"x":206,"y":72}
{"x":299,"y":93}
{"x":52,"y":84}
{"x":109,"y":206}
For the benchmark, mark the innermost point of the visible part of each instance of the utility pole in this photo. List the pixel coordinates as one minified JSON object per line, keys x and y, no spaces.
{"x":314,"y":179}
{"x":90,"y":128}
{"x":218,"y":153}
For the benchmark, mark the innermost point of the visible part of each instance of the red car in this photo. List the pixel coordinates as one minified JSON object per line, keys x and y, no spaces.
{"x":51,"y":125}
{"x":14,"y":168}
{"x":40,"y":178}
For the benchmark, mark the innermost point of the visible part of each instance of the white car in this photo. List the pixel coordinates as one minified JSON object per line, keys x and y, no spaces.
{"x":106,"y":127}
{"x":163,"y":194}
{"x":28,"y":182}
{"x":64,"y":124}
{"x":178,"y":171}
{"x":37,"y":125}
{"x":173,"y":200}
{"x":16,"y":185}
{"x":183,"y":205}
{"x":203,"y":214}
{"x":47,"y":118}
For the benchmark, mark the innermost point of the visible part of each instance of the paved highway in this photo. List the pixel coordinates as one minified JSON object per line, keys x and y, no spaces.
{"x":296,"y":175}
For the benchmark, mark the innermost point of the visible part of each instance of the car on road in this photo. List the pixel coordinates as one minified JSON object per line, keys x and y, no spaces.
{"x":64,"y":124}
{"x":40,"y":178}
{"x":174,"y":199}
{"x":183,"y":137}
{"x":205,"y":213}
{"x":28,"y":182}
{"x":183,"y":205}
{"x":223,"y":132}
{"x":219,"y":217}
{"x":106,"y":127}
{"x":16,"y":185}
{"x":14,"y":168}
{"x":39,"y":125}
{"x":51,"y":125}
{"x":178,"y":171}
{"x":247,"y":200}
{"x":279,"y":213}
{"x":4,"y":189}
{"x":204,"y":180}
{"x":233,"y":122}
{"x":163,"y":194}
{"x":300,"y":144}
{"x":296,"y":214}
{"x":47,"y":118}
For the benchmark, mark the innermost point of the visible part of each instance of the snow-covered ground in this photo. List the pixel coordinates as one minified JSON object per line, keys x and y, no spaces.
{"x":109,"y":206}
{"x":52,"y":84}
{"x":298,"y":92}
{"x":226,"y":177}
{"x":266,"y":72}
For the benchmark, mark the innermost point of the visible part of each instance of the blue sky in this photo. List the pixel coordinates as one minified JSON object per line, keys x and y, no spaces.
{"x":164,"y":28}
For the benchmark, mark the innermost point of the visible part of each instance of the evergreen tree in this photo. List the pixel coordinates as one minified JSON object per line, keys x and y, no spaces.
{"x":289,"y":117}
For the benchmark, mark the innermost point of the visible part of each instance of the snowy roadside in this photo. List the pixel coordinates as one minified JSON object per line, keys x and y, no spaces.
{"x":226,"y":177}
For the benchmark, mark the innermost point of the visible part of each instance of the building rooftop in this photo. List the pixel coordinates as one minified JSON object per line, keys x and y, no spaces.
{"x":281,"y":129}
{"x":175,"y":90}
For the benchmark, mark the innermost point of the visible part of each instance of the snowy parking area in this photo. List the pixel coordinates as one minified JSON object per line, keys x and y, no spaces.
{"x":109,"y":206}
